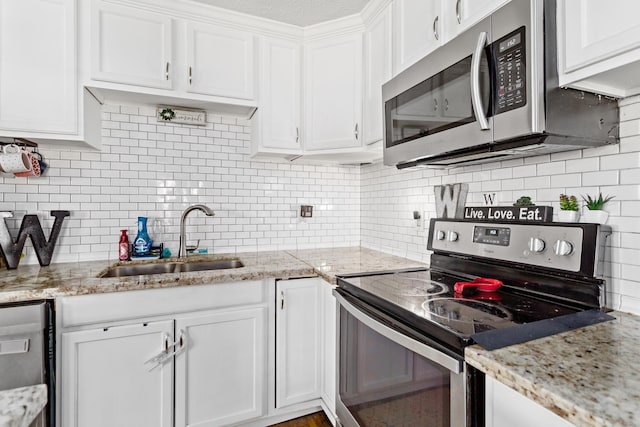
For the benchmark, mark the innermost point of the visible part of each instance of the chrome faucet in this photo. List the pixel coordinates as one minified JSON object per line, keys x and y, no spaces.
{"x":182,"y":250}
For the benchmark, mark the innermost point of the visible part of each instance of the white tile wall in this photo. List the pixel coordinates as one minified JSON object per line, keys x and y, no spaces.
{"x":156,"y":170}
{"x":389,"y":197}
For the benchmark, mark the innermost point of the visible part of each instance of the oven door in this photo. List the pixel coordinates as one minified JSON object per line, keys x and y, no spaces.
{"x":441,"y":103}
{"x":386,"y":377}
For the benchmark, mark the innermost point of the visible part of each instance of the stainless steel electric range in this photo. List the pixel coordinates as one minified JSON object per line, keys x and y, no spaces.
{"x":402,"y":334}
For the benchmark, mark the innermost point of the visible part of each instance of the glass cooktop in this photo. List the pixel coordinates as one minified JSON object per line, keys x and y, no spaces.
{"x":426,"y":301}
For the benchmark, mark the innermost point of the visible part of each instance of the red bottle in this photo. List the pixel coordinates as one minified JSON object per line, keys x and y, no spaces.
{"x":123,"y":246}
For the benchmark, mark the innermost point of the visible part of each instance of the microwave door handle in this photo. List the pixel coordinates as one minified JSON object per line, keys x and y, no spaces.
{"x":476,"y":96}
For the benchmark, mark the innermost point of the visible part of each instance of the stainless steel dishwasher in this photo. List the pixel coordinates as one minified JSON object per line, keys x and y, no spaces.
{"x":26,"y":350}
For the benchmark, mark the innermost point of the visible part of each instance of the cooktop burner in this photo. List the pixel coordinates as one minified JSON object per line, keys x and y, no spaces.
{"x":410,"y":284}
{"x":426,"y":300}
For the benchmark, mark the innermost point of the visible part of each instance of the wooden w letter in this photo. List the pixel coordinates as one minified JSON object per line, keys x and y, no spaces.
{"x":30,"y":227}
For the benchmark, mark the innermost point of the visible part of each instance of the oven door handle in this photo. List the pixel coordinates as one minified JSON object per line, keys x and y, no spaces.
{"x":447,"y":362}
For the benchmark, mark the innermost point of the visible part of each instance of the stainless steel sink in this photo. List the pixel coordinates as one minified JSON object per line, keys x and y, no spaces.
{"x":170,"y":267}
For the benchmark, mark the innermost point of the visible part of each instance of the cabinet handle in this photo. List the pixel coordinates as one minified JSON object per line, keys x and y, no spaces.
{"x":435,"y":105}
{"x":190,"y":71}
{"x":281,"y":300}
{"x":297,"y":134}
{"x":164,"y":354}
{"x":356,"y":131}
{"x":435,"y":28}
{"x":458,"y":15}
{"x":166,"y":71}
{"x":446,"y":104}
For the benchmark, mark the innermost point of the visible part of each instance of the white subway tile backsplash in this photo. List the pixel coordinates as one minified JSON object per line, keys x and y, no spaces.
{"x":583,"y":165}
{"x":146,"y":168}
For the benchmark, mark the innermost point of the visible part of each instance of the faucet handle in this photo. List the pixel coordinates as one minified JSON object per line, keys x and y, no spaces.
{"x":191,"y":248}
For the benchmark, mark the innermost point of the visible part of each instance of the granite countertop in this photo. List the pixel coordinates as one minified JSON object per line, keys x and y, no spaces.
{"x":20,"y":406}
{"x":587,"y":376}
{"x":32,"y":282}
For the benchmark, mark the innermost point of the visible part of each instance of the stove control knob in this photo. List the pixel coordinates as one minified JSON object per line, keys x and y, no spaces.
{"x":440,"y":235}
{"x":562,"y":248}
{"x":453,"y":236}
{"x":536,"y":245}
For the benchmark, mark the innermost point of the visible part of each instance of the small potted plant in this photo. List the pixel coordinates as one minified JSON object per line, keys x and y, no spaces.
{"x":594,"y":212}
{"x":568,"y":209}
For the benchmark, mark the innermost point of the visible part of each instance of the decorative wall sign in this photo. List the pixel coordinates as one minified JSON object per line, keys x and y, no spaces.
{"x":450,"y":200}
{"x":186,"y":116}
{"x":30,"y":227}
{"x":509,"y":213}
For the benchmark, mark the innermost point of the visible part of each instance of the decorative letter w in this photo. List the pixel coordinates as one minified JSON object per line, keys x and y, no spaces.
{"x":450,"y":200}
{"x":30,"y":227}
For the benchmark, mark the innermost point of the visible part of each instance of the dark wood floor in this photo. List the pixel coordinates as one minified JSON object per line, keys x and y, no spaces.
{"x":319,"y":419}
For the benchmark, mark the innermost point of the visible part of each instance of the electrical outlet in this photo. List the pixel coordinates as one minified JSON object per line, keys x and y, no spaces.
{"x":306,"y":211}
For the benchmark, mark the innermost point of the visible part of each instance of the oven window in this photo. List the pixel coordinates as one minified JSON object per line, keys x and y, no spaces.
{"x":383,"y":384}
{"x":439,"y":103}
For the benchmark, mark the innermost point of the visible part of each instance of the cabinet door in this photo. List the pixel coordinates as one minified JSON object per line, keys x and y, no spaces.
{"x":377,"y":56}
{"x":505,"y":408}
{"x":280,"y":94}
{"x":417,"y":30}
{"x":328,"y":330}
{"x":220,"y":374}
{"x":131,"y":46}
{"x":220,"y":61}
{"x":462,"y":14}
{"x":333,"y":93}
{"x":38,"y":90}
{"x":588,"y":40}
{"x":297,"y":341}
{"x":106,"y":382}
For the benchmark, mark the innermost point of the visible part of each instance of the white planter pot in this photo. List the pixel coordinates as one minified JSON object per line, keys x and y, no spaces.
{"x":596,"y":217}
{"x":568,"y":216}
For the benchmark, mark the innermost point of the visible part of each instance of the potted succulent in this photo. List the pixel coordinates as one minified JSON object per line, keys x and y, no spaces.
{"x":594,"y":212}
{"x":568,"y":209}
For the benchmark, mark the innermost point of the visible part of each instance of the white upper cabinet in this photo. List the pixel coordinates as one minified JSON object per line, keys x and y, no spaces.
{"x":377,"y":70}
{"x":131,"y":46}
{"x":277,"y":120}
{"x":462,"y":14}
{"x":599,"y":46}
{"x":220,"y":61}
{"x":333,"y":93}
{"x":417,"y":30}
{"x":38,"y":81}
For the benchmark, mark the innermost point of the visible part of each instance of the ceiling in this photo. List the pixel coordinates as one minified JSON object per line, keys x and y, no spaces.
{"x":296,"y":12}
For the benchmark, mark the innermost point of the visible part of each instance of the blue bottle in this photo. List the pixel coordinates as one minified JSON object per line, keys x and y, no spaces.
{"x":142,"y":242}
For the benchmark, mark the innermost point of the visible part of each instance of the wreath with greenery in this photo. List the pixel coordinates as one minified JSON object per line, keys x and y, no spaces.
{"x":167,"y":114}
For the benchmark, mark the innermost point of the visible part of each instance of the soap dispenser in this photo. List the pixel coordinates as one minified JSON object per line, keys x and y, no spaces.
{"x":123,"y":246}
{"x":142,"y":242}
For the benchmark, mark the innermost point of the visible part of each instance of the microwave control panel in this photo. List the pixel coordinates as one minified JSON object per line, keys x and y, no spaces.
{"x":511,"y":83}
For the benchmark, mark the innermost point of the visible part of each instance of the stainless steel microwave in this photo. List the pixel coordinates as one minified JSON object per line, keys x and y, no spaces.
{"x":490,"y":94}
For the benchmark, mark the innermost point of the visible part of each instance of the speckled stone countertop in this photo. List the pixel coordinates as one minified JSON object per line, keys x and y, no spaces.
{"x":589,"y":376}
{"x":32,"y":282}
{"x":20,"y":406}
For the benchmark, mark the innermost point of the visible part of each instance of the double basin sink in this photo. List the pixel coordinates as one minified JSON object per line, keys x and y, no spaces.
{"x":127,"y":270}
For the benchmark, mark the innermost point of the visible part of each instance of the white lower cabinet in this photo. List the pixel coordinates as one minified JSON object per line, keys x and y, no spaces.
{"x":220,"y":374}
{"x":297,"y":341}
{"x":249,"y":353}
{"x":506,"y":407}
{"x":216,"y":356}
{"x":106,"y":382}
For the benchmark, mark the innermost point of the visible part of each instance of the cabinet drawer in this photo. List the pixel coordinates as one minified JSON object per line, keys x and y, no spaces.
{"x":88,"y":309}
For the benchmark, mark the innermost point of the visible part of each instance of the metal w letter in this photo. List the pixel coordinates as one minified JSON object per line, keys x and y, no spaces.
{"x":30,"y":227}
{"x":450,"y":200}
